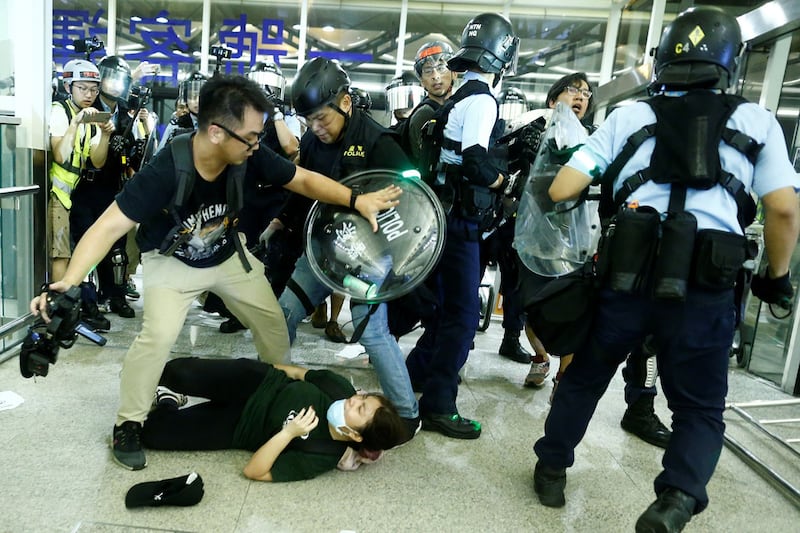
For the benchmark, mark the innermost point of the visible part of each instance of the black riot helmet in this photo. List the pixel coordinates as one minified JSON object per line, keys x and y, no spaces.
{"x":318,"y":84}
{"x":270,"y":77}
{"x":189,"y":90}
{"x":115,"y":78}
{"x":699,"y":49}
{"x":512,"y":103}
{"x":488,"y":43}
{"x":361,"y":98}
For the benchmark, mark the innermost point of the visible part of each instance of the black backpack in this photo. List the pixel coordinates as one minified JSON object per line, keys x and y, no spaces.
{"x":181,"y":149}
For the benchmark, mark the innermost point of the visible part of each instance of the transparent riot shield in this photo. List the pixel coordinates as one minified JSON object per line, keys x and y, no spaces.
{"x":554,"y":239}
{"x":348,"y":257}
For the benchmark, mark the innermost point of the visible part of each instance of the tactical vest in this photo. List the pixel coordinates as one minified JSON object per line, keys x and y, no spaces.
{"x":688,"y":131}
{"x":65,"y":176}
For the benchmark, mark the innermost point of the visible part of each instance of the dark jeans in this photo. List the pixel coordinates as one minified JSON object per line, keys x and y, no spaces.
{"x":227,"y":383}
{"x":693,"y":340}
{"x":444,"y":347}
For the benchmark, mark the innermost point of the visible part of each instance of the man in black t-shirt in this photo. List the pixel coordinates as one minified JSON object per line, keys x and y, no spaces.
{"x":230,"y":122}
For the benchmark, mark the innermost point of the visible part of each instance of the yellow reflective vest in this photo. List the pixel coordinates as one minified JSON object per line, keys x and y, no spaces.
{"x":65,"y":176}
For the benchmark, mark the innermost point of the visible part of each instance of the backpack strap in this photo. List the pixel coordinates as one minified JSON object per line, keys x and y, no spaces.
{"x":183,"y":164}
{"x":235,"y":200}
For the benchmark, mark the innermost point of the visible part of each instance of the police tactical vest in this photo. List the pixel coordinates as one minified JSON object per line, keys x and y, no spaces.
{"x":402,"y":129}
{"x":65,"y":176}
{"x":688,"y":131}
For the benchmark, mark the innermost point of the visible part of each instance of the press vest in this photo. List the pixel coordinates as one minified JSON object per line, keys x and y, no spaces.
{"x":65,"y":176}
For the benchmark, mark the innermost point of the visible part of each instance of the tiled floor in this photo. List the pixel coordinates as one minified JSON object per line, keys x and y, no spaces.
{"x":56,"y":473}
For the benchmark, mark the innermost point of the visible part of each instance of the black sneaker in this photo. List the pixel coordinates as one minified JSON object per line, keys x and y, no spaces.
{"x":670,"y":512}
{"x":95,"y":320}
{"x":119,"y":305}
{"x":127,"y":446}
{"x":454,"y":426}
{"x":232,"y":325}
{"x":413,"y":425}
{"x":549,"y":484}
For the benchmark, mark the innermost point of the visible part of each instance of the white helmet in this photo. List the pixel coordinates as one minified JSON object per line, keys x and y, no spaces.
{"x":80,"y":70}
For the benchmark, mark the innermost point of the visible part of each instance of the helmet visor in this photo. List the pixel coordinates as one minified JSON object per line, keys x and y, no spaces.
{"x":272,"y":82}
{"x":115,"y":83}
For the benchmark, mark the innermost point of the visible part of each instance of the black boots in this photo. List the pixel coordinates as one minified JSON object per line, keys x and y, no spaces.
{"x":510,"y":348}
{"x":640,"y":419}
{"x":549,"y":484}
{"x":668,"y":514}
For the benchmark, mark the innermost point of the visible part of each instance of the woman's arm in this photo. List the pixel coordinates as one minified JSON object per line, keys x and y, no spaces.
{"x":259,"y":468}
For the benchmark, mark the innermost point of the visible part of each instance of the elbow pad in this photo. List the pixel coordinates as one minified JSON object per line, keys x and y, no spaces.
{"x":477,"y":166}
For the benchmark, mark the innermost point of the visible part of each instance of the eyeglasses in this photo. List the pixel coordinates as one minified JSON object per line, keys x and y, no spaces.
{"x":572,"y":90}
{"x":250,"y":145}
{"x":324,"y":118}
{"x":428,"y":70}
{"x":87,"y":90}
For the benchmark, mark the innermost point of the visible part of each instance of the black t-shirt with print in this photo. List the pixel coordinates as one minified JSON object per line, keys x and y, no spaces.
{"x":146,"y":199}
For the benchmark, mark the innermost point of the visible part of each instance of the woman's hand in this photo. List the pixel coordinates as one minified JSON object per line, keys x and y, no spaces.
{"x":303,"y":423}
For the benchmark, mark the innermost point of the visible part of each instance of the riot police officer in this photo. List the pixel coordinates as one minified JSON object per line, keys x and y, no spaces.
{"x":684,"y":295}
{"x":185,"y":116}
{"x":488,"y":50}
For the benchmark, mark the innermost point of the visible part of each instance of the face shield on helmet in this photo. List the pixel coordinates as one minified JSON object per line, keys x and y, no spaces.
{"x":115,"y":78}
{"x":488,"y":43}
{"x":512,"y":103}
{"x":700,"y":49}
{"x":432,"y":55}
{"x":270,"y":77}
{"x":404,"y":93}
{"x":189,"y":91}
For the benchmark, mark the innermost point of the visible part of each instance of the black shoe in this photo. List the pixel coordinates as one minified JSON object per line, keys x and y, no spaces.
{"x":670,"y":513}
{"x":549,"y":484}
{"x":94,"y":318}
{"x":232,"y":325}
{"x":119,"y":305}
{"x":127,"y":446}
{"x":641,"y":420}
{"x":454,"y":426}
{"x":334,"y":332}
{"x":510,"y":348}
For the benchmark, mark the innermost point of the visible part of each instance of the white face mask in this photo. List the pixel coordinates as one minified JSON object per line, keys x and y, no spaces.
{"x":336,"y":417}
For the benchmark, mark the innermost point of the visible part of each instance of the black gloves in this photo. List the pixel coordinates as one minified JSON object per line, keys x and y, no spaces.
{"x":776,"y":291}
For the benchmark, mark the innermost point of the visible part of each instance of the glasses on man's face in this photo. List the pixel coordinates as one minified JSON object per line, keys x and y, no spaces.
{"x":440,"y":68}
{"x":86,"y":89}
{"x":233,"y":134}
{"x":572,"y":90}
{"x":324,"y":118}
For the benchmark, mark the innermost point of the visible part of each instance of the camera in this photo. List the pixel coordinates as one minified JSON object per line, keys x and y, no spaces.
{"x":139,"y":97}
{"x":221,"y":52}
{"x":43,"y":341}
{"x":88,"y":46}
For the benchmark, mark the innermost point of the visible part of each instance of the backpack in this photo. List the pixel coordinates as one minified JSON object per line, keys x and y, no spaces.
{"x":181,"y":149}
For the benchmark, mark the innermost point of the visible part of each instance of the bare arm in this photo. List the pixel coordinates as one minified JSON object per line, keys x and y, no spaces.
{"x":94,"y":245}
{"x":259,"y":467}
{"x":286,"y":138}
{"x":324,"y":189}
{"x":781,"y":228}
{"x":568,"y":184}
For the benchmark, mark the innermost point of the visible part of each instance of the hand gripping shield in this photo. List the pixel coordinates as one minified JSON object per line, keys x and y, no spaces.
{"x":349,"y":258}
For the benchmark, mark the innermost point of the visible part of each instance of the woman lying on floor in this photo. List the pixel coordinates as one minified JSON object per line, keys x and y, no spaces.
{"x":272,"y":411}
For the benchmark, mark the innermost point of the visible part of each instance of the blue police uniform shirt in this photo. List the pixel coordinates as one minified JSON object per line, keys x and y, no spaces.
{"x":714,"y":208}
{"x":471,"y":122}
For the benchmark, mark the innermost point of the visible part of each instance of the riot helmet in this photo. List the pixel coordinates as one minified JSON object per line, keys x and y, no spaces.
{"x":270,"y":77}
{"x":512,"y":103}
{"x":403,"y":93}
{"x":115,"y":78}
{"x":699,"y":49}
{"x":80,"y":70}
{"x":488,"y":43}
{"x":189,"y":91}
{"x":318,"y":84}
{"x":361,"y":99}
{"x":433,"y":53}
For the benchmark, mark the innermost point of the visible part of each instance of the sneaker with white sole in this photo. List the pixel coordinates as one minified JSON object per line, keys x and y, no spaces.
{"x":168,"y":398}
{"x":537,"y":374}
{"x":126,"y":445}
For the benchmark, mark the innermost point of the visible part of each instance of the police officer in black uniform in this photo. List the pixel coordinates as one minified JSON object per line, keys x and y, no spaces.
{"x":690,"y":191}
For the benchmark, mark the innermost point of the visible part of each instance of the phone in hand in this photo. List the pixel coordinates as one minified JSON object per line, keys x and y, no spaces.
{"x":100,"y":116}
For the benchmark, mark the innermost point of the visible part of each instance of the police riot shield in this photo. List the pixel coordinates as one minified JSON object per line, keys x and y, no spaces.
{"x":349,"y":258}
{"x":554,"y":239}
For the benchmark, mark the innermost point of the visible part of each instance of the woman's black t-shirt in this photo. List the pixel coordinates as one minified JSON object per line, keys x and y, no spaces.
{"x":147,"y":197}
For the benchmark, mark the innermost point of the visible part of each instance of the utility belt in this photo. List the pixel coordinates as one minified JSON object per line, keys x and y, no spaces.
{"x":474,"y":203}
{"x":642,"y":254}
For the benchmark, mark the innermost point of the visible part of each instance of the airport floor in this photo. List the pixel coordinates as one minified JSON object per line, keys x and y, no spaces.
{"x":56,"y":473}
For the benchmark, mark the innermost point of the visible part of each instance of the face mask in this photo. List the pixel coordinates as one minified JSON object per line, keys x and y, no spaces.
{"x":336,"y":418}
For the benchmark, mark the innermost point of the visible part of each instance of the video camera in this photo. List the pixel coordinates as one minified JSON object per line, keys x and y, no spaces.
{"x":43,"y":341}
{"x":220,"y":52}
{"x":88,"y":46}
{"x":138,"y":97}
